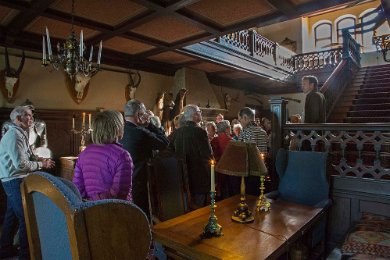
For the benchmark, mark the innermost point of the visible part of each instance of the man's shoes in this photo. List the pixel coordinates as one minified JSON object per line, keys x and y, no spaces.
{"x":9,"y":252}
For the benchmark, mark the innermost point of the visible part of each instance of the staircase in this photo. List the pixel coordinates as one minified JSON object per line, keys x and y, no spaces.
{"x":367,"y":99}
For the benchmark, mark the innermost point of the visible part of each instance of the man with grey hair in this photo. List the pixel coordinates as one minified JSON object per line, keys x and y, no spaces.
{"x":140,"y":138}
{"x":16,"y":161}
{"x":191,"y":143}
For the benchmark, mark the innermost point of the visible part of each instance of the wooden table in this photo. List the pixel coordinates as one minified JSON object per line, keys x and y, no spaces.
{"x":268,"y":237}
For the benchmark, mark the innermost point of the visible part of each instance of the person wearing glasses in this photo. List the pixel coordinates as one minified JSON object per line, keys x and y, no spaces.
{"x":140,"y":139}
{"x":191,"y":143}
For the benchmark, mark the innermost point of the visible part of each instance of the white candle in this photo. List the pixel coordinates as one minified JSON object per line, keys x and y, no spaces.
{"x":72,"y":122}
{"x":90,"y":54}
{"x":89,"y":120}
{"x":48,"y":43}
{"x":100,"y":52}
{"x":81,"y":44}
{"x":83,"y":119}
{"x":212,"y":175}
{"x":43,"y":48}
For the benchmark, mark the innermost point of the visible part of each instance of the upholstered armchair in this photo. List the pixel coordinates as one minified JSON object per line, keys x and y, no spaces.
{"x":303,"y":180}
{"x":62,"y":226}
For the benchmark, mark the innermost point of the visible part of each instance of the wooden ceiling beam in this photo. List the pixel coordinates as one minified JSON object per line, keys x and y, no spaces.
{"x":26,"y":16}
{"x":79,"y":21}
{"x":16,"y":4}
{"x":283,"y":6}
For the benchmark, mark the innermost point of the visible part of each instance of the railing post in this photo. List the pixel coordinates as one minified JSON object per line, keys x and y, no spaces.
{"x":251,"y":42}
{"x":346,"y":39}
{"x":279,"y":118}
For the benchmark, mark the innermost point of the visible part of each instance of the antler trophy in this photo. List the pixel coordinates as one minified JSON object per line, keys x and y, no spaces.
{"x":10,"y":78}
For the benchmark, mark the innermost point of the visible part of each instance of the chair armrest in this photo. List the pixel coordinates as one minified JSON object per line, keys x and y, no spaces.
{"x":272,"y":195}
{"x":325,"y":204}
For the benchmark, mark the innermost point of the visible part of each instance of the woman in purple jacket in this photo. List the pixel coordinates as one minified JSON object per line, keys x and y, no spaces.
{"x":104,"y":169}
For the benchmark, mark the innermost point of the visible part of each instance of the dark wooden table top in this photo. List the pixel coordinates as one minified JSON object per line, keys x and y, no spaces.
{"x":266,"y":238}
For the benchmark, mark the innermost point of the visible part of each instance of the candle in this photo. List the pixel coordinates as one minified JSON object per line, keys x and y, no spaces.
{"x":212,"y":175}
{"x":48,"y":44}
{"x":100,"y":52}
{"x":89,"y":120}
{"x":90,"y":54}
{"x":72,"y":122}
{"x":83,"y":119}
{"x":43,"y":48}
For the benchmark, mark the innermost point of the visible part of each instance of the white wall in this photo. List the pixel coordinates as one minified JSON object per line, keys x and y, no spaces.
{"x":291,"y":29}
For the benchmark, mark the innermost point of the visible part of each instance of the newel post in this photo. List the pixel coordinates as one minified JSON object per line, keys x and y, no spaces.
{"x":279,"y":118}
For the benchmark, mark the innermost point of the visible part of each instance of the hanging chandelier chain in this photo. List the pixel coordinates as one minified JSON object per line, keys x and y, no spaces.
{"x":72,"y":14}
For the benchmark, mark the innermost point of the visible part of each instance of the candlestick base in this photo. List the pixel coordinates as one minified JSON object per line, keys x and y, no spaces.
{"x":242,"y":214}
{"x":212,"y":228}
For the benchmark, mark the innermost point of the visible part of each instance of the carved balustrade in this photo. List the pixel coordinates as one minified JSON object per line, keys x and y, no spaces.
{"x":359,"y":150}
{"x":257,"y":46}
{"x":317,"y":60}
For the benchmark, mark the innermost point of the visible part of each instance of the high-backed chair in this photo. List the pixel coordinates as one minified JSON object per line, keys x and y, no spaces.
{"x":168,"y":186}
{"x":62,"y":226}
{"x":303,"y":180}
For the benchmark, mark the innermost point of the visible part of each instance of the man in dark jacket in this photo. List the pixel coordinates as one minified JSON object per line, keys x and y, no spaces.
{"x":315,"y":106}
{"x":191,"y":143}
{"x":140,"y":138}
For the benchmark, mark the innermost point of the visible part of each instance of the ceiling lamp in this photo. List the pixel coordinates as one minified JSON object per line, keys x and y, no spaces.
{"x":70,"y":54}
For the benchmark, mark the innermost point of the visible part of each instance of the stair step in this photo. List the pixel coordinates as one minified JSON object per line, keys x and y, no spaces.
{"x":375,"y":95}
{"x":368,"y":113}
{"x":374,"y":90}
{"x":357,"y":107}
{"x":383,"y":100}
{"x":367,"y":119}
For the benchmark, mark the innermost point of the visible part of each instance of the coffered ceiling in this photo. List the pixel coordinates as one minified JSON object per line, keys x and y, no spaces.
{"x":146,"y":34}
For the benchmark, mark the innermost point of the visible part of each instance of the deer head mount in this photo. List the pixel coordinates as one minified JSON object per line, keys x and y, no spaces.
{"x":78,"y":86}
{"x":10,"y":78}
{"x":131,"y":88}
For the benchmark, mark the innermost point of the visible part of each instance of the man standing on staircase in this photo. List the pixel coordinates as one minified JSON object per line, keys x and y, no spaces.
{"x":315,"y":105}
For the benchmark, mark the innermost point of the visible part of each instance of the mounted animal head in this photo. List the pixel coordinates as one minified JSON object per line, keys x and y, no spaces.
{"x":10,"y":78}
{"x":78,"y":86}
{"x":131,"y":88}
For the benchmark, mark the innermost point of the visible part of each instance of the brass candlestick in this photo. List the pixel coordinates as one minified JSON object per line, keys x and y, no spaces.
{"x":242,"y":214}
{"x":262,"y":203}
{"x":83,"y":132}
{"x":212,"y":228}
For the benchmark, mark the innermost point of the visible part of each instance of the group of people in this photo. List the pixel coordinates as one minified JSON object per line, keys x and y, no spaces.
{"x":115,"y":164}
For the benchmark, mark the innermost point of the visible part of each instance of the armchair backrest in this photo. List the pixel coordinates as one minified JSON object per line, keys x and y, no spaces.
{"x":302,"y":176}
{"x":61,"y":226}
{"x":168,"y":186}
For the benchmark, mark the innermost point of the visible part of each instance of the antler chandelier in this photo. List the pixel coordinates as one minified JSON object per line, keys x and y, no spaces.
{"x":70,"y":54}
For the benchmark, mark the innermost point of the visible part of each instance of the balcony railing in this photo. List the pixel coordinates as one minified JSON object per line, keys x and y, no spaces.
{"x":255,"y":45}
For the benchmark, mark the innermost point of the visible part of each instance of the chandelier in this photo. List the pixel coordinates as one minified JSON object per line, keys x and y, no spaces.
{"x":70,"y":54}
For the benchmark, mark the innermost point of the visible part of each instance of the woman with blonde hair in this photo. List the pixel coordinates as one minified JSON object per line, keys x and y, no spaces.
{"x":104,"y":169}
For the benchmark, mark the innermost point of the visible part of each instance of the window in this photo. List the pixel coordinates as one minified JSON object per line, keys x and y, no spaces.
{"x":367,"y":31}
{"x":323,"y":35}
{"x":343,"y":23}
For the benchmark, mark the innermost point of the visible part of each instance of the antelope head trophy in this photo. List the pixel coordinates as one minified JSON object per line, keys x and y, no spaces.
{"x":10,"y":78}
{"x":131,"y":88}
{"x":78,"y":86}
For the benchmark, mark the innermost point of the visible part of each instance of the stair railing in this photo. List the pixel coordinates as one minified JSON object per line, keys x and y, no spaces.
{"x":344,"y":73}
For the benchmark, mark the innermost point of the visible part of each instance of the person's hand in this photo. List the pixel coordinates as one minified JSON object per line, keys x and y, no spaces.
{"x":145,"y":118}
{"x":48,"y":163}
